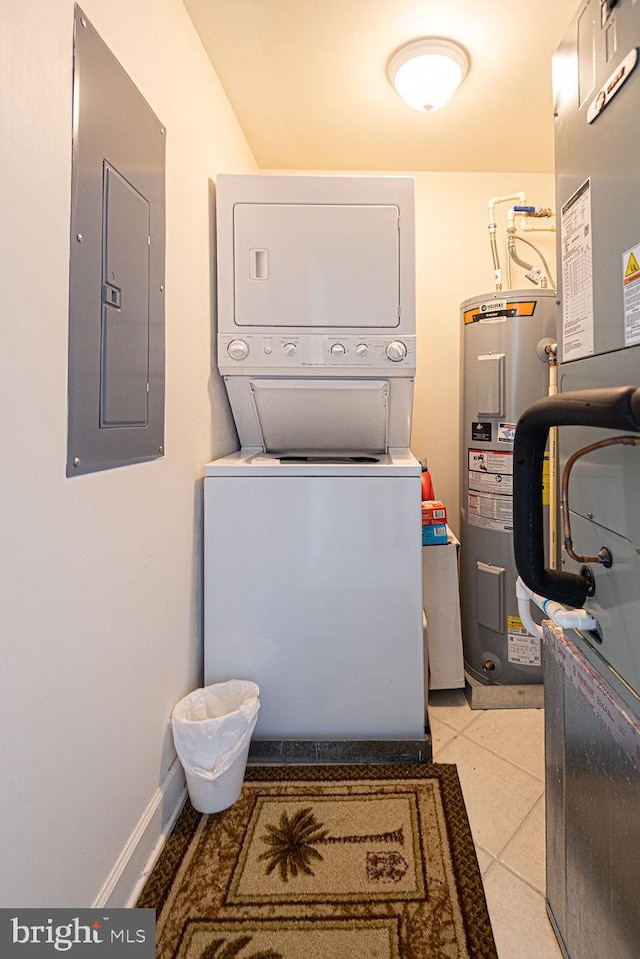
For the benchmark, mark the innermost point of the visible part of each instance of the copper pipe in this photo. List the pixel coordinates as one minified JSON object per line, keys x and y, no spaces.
{"x":604,"y":556}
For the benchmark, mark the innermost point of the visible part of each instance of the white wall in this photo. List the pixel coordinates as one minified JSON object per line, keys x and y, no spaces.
{"x":102,"y":574}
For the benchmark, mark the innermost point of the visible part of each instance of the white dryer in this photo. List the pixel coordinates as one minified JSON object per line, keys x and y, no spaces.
{"x":312,"y":531}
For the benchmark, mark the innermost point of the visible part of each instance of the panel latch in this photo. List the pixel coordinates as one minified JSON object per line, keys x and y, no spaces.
{"x":111,"y":295}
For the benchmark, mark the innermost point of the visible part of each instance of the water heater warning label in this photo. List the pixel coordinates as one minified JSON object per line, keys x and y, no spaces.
{"x":491,"y":471}
{"x":506,"y":432}
{"x":490,"y":512}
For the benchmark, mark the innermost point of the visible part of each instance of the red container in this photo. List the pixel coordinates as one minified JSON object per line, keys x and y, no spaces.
{"x":427,"y":486}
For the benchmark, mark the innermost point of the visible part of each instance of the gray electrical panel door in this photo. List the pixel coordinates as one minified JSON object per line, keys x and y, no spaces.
{"x":116,"y":290}
{"x":125,"y":318}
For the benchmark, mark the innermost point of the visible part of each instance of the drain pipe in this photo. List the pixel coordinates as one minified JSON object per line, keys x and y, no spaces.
{"x":556,"y":612}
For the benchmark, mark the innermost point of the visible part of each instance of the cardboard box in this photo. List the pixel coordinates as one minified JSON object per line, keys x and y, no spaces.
{"x":441,"y":604}
{"x":434,"y":535}
{"x":433,"y":511}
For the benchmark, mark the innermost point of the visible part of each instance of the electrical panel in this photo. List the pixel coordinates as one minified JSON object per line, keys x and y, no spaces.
{"x":116,"y":289}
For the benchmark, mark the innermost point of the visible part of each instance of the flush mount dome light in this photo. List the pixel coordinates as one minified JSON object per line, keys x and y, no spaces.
{"x":426,"y":73}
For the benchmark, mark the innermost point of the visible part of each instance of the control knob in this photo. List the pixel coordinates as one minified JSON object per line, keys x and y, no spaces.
{"x":289,"y":349}
{"x":396,"y":351}
{"x":362,"y":349}
{"x":338,"y":349}
{"x":238,"y":349}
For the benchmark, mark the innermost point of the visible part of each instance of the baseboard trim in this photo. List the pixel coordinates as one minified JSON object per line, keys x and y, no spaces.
{"x":141,"y":852}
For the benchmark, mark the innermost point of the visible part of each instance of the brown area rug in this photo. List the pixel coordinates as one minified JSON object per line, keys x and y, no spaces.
{"x":325,"y":862}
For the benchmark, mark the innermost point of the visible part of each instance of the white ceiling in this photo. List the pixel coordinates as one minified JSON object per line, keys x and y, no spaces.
{"x":307,"y":80}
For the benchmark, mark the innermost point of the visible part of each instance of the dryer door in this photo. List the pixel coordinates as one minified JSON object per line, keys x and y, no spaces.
{"x":316,"y":265}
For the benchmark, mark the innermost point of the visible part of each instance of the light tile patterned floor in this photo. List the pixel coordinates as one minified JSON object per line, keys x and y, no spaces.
{"x":500,"y":758}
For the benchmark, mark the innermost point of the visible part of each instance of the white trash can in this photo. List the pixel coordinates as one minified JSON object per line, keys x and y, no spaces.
{"x":212,"y":730}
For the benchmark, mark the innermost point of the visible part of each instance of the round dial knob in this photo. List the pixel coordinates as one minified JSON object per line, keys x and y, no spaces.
{"x":289,"y":348}
{"x":396,"y":351}
{"x":238,"y":349}
{"x":362,"y":349}
{"x":338,"y":349}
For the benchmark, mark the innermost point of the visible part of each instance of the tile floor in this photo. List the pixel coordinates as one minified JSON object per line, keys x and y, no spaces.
{"x":500,"y":758}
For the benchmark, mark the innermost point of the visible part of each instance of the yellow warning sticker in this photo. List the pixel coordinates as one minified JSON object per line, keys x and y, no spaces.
{"x":545,"y":480}
{"x":515,"y":625}
{"x":631,"y":295}
{"x":632,"y":265}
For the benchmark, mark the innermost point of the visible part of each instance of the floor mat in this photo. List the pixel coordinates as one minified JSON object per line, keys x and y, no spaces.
{"x":325,"y":862}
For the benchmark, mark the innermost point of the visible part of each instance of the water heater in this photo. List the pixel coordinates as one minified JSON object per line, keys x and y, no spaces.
{"x":505,"y":369}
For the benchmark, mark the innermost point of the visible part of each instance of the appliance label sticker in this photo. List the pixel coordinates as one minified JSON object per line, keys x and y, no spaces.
{"x":491,"y":471}
{"x":490,"y":512}
{"x":481,"y":432}
{"x":497,"y":311}
{"x":506,"y":432}
{"x":493,"y":311}
{"x":631,"y":288}
{"x":577,"y":275}
{"x":523,"y":649}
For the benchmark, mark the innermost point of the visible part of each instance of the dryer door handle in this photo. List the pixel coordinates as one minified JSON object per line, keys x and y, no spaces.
{"x":612,"y":409}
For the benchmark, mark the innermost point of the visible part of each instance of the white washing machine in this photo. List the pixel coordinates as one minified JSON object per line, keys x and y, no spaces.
{"x":314,"y":591}
{"x":312,"y":531}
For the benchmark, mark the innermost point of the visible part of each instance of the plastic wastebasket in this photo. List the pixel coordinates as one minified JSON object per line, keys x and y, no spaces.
{"x":212,"y":730}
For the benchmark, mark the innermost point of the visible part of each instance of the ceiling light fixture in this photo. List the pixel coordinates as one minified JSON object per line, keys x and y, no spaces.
{"x":427,"y":72}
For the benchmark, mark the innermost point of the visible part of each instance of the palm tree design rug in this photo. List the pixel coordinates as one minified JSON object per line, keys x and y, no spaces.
{"x":325,"y":862}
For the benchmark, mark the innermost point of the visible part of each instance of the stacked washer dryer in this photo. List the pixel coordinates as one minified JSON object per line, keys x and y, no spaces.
{"x":312,"y":537}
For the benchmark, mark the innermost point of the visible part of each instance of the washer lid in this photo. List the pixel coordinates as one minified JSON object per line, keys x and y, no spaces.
{"x":255,"y":462}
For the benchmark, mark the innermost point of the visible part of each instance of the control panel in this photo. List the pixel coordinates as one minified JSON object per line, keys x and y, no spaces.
{"x":282,"y":351}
